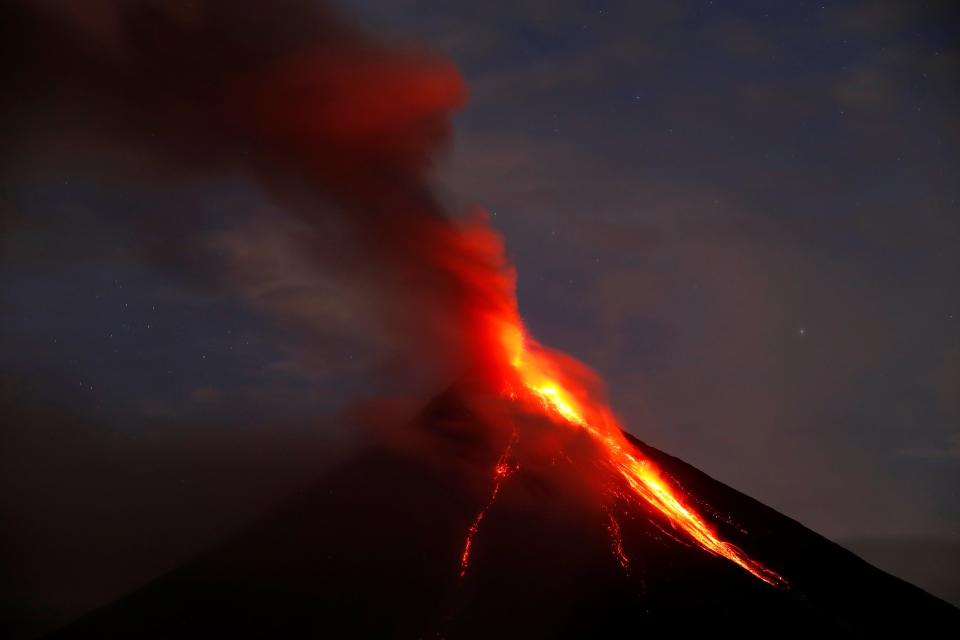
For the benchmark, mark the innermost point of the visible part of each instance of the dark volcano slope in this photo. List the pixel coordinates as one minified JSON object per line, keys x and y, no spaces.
{"x":373,"y":550}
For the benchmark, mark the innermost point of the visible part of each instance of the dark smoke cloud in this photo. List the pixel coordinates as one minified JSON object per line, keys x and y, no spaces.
{"x":338,"y":128}
{"x":155,"y":103}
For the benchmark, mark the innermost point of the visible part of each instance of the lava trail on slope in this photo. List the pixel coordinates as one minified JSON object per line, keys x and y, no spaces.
{"x":374,"y":549}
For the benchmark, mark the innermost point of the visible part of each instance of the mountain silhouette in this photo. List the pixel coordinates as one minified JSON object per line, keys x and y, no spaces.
{"x":374,"y":549}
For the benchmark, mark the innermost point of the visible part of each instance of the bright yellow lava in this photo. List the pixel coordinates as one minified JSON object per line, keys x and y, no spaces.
{"x":640,"y":474}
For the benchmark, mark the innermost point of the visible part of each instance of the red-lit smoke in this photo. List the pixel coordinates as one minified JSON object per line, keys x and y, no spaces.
{"x":327,"y":121}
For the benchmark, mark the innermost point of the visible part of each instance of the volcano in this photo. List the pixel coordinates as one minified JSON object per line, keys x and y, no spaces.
{"x":514,"y":504}
{"x":476,"y":522}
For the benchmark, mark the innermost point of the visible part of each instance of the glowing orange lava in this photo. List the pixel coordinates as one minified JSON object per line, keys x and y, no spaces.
{"x":616,"y":542}
{"x":501,"y":471}
{"x":543,"y":379}
{"x":559,"y":387}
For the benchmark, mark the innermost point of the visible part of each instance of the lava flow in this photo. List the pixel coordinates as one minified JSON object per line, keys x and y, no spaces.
{"x":504,"y":467}
{"x":616,"y":542}
{"x":547,"y":382}
{"x":639,"y":473}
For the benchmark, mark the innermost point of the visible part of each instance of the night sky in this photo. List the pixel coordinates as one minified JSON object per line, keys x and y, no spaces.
{"x":743,"y":215}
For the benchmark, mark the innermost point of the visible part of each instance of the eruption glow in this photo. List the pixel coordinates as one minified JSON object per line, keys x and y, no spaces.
{"x":639,"y":473}
{"x":547,"y":382}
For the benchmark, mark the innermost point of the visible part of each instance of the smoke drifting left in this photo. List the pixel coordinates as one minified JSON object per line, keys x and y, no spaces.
{"x":339,"y":128}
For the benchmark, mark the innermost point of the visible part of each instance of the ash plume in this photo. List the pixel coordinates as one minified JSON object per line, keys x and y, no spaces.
{"x":339,"y":128}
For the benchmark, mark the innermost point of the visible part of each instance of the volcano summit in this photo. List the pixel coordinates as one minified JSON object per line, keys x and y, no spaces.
{"x":376,"y":549}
